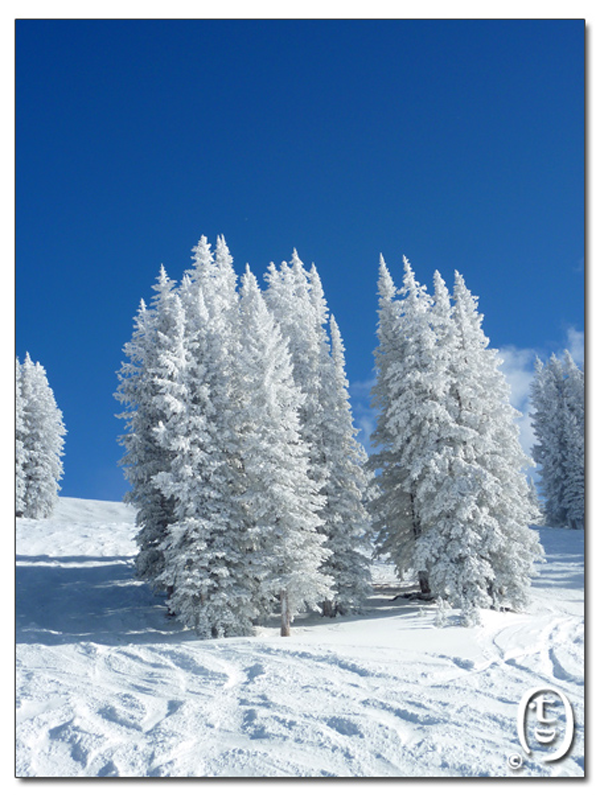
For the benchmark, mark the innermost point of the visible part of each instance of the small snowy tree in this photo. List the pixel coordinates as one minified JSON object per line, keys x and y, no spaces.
{"x":575,"y":435}
{"x":40,"y":433}
{"x":20,"y":451}
{"x":549,"y":426}
{"x":558,"y":419}
{"x":535,"y":502}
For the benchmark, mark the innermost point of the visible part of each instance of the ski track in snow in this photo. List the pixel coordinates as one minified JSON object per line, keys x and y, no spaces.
{"x":107,"y":685}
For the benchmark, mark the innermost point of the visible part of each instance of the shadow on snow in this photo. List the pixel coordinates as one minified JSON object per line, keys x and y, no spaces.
{"x":73,"y":599}
{"x":97,"y":599}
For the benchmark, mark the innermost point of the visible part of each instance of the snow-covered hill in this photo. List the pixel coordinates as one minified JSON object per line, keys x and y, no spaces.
{"x":107,"y":685}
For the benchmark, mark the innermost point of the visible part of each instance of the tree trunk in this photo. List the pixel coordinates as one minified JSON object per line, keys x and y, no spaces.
{"x":416,"y":526}
{"x":170,"y":591}
{"x":329,"y":609}
{"x":285,"y":614}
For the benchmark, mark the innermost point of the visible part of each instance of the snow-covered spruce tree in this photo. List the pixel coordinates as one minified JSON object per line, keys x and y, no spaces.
{"x":449,"y":457}
{"x":558,"y":419}
{"x":391,"y":508}
{"x":575,"y":457}
{"x":535,"y":502}
{"x":151,"y":389}
{"x":20,"y":453}
{"x":40,"y":433}
{"x":347,"y":524}
{"x":297,"y":300}
{"x":548,"y":423}
{"x":205,"y":549}
{"x":476,"y":543}
{"x":420,"y":386}
{"x":443,"y":493}
{"x":301,"y":321}
{"x":284,"y":551}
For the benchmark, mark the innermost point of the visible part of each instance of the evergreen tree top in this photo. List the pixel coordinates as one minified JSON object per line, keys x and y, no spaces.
{"x":441,"y":294}
{"x":385,"y":284}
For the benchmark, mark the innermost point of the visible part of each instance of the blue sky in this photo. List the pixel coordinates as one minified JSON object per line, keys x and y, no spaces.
{"x":457,"y":143}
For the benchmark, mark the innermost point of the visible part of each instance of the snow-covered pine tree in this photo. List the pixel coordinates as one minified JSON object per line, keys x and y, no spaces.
{"x":535,"y":501}
{"x":301,"y":320}
{"x":443,"y":487}
{"x":391,"y":508}
{"x":203,"y":553}
{"x":453,"y":498}
{"x":40,"y":431}
{"x":419,"y":386}
{"x":548,"y":422}
{"x":347,"y":526}
{"x":574,"y":494}
{"x":297,"y":299}
{"x":346,"y":519}
{"x":20,"y":452}
{"x":558,"y":419}
{"x":477,"y":545}
{"x":284,"y":551}
{"x":151,"y":389}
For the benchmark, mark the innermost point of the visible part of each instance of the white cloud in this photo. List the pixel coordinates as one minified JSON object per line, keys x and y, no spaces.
{"x":518,"y":368}
{"x":365,"y":423}
{"x":362,"y":390}
{"x":526,"y":433}
{"x":575,"y":344}
{"x":364,"y":416}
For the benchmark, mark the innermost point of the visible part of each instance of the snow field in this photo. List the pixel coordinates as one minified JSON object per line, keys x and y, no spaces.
{"x":107,"y":685}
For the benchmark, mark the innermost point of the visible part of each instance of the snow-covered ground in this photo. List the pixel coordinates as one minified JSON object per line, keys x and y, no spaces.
{"x":107,"y":685}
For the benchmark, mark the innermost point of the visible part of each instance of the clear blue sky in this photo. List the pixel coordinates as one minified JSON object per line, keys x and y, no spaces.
{"x":457,"y":143}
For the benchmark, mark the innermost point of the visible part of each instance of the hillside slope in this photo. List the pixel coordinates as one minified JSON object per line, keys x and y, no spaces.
{"x":107,"y":685}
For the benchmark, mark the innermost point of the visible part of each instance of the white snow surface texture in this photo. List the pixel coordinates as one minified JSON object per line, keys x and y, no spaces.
{"x":108,"y":685}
